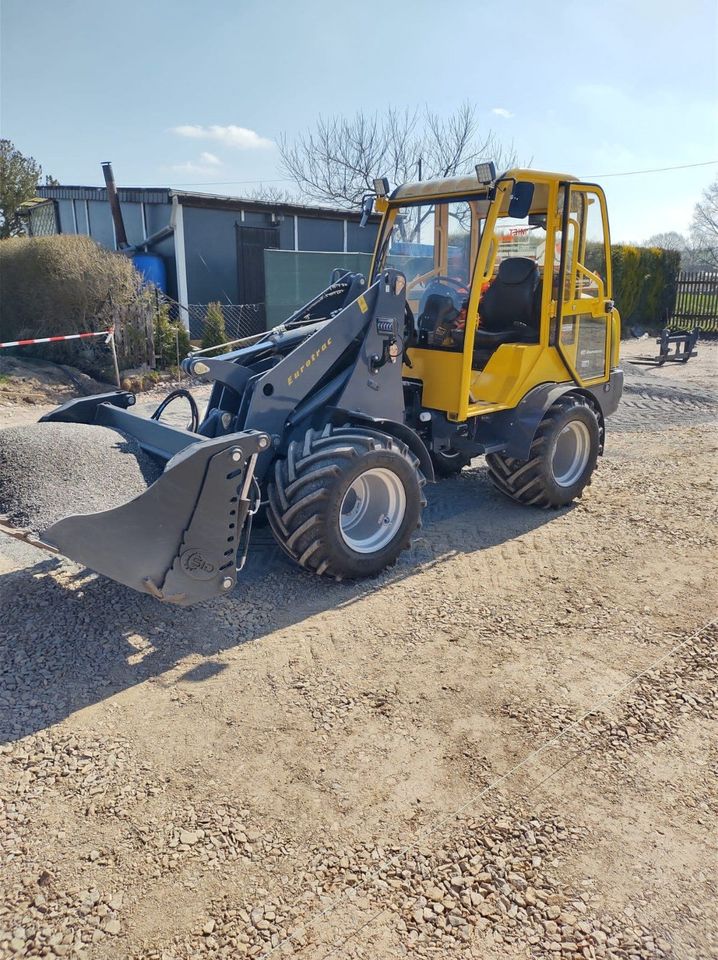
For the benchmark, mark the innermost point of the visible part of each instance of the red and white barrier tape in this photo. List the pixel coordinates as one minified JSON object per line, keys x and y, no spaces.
{"x":70,"y":336}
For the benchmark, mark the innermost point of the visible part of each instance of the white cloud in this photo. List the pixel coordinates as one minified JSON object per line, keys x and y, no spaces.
{"x":209,"y":159}
{"x":231,"y":135}
{"x":502,"y":112}
{"x":206,"y":164}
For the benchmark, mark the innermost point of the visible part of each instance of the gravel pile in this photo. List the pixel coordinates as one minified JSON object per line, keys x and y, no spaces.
{"x":211,"y":837}
{"x":651,"y":713}
{"x":57,"y":922}
{"x":50,"y":470}
{"x":493,"y":875}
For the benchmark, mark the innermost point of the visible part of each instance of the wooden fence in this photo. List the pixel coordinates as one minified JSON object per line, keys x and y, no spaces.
{"x":696,"y":302}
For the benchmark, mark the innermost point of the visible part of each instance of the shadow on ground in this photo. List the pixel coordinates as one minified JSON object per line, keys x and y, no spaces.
{"x":70,"y":638}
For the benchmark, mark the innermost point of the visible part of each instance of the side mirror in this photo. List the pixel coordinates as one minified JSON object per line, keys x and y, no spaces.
{"x":367,"y":207}
{"x":521,"y":197}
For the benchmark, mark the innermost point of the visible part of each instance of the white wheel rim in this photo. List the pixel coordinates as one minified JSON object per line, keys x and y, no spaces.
{"x":372,"y":510}
{"x":571,"y":453}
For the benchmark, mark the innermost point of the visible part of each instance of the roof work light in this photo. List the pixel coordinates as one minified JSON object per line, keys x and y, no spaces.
{"x":486,"y":172}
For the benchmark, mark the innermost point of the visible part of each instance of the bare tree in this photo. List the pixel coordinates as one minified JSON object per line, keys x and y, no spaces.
{"x":704,"y":229}
{"x":268,"y":193}
{"x":669,"y":240}
{"x":336,"y":162}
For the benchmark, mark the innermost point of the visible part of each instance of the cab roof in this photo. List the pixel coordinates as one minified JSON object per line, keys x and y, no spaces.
{"x":468,"y":185}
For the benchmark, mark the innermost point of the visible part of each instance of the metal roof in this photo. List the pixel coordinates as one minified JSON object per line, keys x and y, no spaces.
{"x":127,"y":194}
{"x":192,"y":199}
{"x":219,"y":201}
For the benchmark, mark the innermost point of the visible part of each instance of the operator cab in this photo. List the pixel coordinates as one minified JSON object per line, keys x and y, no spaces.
{"x":490,"y":267}
{"x":436,"y":244}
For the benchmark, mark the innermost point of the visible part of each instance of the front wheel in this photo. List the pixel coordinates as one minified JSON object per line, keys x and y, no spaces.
{"x":346,"y":500}
{"x":561,"y":461}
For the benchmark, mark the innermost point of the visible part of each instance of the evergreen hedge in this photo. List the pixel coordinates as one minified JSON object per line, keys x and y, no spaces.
{"x":644,"y":283}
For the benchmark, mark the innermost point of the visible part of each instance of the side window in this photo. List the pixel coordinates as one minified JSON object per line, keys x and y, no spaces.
{"x":459,"y":253}
{"x":585,"y":276}
{"x":412,"y":244}
{"x":571,"y":257}
{"x":581,"y":331}
{"x":571,"y":242}
{"x":594,"y":247}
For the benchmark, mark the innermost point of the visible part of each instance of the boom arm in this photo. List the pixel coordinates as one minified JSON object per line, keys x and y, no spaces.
{"x":338,"y":363}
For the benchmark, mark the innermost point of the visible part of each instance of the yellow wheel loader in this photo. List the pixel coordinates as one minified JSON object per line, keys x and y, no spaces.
{"x":486,"y":327}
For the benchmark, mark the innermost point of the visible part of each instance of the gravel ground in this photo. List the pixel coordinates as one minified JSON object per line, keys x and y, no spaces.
{"x":503,"y":748}
{"x":49,"y":470}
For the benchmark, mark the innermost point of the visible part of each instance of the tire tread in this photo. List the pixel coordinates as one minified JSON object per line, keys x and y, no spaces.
{"x":300,"y":485}
{"x":518,"y":479}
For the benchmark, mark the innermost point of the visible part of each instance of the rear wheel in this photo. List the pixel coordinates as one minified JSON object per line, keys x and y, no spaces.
{"x":562,"y":458}
{"x":345,"y":501}
{"x":447,"y":463}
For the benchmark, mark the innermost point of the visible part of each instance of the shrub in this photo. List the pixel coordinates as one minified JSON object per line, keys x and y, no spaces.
{"x":644,"y":284}
{"x":69,"y":284}
{"x":171,"y":338}
{"x":214,"y":331}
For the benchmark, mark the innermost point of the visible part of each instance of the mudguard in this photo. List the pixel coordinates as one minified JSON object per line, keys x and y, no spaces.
{"x":513,"y":431}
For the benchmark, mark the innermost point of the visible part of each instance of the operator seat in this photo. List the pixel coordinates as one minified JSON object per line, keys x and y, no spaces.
{"x":509,"y":311}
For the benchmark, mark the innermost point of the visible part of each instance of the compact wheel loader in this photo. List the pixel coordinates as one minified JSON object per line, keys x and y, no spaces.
{"x":486,"y":326}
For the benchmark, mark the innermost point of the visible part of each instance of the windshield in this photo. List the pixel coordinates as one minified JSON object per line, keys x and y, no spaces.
{"x":435,"y":240}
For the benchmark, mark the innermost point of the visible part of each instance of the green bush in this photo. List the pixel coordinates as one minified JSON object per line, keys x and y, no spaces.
{"x":214,"y":331}
{"x":69,"y":284}
{"x":169,"y":336}
{"x":644,"y":284}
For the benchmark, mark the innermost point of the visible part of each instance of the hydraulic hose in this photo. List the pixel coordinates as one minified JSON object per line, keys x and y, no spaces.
{"x":180,"y":392}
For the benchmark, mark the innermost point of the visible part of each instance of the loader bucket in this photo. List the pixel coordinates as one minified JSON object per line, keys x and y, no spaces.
{"x":177,"y":540}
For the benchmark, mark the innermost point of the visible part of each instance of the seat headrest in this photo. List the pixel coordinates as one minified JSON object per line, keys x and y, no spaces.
{"x":516,"y":270}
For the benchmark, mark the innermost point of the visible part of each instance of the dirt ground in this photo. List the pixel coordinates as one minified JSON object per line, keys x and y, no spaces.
{"x":503,"y":748}
{"x":29,"y":383}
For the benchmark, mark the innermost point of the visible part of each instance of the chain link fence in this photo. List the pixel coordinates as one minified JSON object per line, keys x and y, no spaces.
{"x":42,"y":219}
{"x":240,"y":319}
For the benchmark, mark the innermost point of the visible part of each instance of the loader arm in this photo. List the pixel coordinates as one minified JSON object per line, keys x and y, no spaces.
{"x":341,"y":364}
{"x":353,"y":342}
{"x":179,"y":540}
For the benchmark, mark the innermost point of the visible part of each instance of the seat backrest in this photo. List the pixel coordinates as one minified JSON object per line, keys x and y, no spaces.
{"x":511,"y":298}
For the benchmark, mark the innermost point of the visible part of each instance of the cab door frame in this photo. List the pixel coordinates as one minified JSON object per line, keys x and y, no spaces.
{"x":582,"y":309}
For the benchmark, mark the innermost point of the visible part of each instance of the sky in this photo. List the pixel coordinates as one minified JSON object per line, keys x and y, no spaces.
{"x":191,"y":94}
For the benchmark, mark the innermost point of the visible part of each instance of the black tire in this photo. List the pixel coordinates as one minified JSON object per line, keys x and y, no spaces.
{"x":447,"y":463}
{"x":313,"y":485}
{"x":537,"y":481}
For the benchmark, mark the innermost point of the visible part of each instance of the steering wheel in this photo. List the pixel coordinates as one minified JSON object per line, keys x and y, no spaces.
{"x":459,"y":284}
{"x":460,"y":288}
{"x":423,"y":278}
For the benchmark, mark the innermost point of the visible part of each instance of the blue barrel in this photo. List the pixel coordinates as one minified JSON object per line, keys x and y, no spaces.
{"x":153,"y":269}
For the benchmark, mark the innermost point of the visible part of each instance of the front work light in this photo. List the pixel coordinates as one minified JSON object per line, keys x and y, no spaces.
{"x":381,"y":187}
{"x":486,"y":172}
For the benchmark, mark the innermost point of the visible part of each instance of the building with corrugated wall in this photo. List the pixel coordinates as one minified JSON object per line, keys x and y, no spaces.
{"x":212,"y":247}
